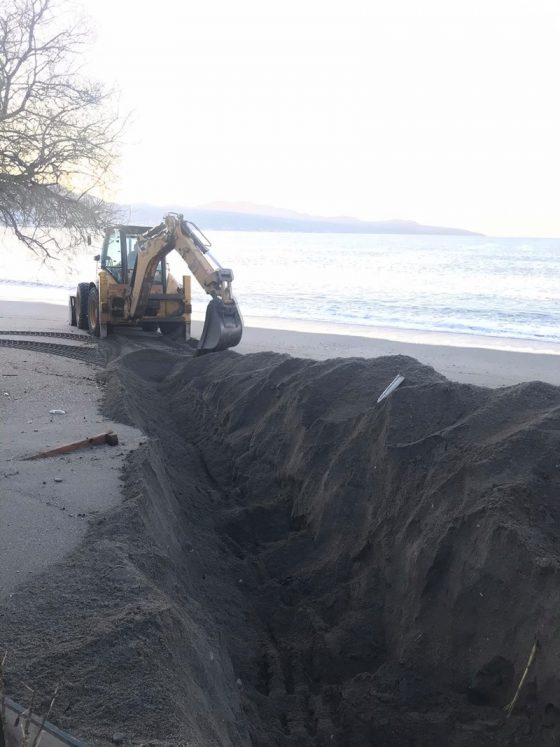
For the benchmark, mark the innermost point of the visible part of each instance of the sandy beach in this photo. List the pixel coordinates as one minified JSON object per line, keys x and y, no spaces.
{"x":489,"y":362}
{"x":279,"y":375}
{"x":269,"y":553}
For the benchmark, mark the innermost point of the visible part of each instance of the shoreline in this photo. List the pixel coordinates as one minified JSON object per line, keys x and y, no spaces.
{"x":462,"y":360}
{"x":407,"y":335}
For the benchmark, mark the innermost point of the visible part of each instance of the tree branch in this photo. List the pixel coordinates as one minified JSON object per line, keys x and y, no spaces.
{"x":57,"y":130}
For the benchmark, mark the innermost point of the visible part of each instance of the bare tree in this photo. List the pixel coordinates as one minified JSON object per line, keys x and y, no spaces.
{"x":58,"y":135}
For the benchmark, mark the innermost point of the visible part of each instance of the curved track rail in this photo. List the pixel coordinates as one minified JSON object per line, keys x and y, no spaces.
{"x":61,"y":335}
{"x":83,"y":354}
{"x":90,"y":350}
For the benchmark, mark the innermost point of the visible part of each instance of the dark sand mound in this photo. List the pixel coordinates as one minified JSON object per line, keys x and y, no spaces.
{"x":298,"y":565}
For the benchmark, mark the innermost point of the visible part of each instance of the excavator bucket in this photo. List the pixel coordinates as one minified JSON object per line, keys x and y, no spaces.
{"x":223,"y":327}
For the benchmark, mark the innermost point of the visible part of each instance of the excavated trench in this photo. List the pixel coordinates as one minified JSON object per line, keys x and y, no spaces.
{"x":356,"y":573}
{"x":297,"y":564}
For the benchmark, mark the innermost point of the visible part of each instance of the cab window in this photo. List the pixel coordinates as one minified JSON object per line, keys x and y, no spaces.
{"x":112,"y":260}
{"x":131,"y":253}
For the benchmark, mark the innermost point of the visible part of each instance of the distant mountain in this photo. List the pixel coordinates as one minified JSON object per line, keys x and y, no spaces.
{"x":244,"y":216}
{"x":251,"y":208}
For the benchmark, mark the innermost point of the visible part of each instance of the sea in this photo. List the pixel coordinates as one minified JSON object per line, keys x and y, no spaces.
{"x":474,"y":285}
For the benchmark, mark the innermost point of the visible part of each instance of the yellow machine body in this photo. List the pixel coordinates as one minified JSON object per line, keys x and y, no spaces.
{"x":135,"y":288}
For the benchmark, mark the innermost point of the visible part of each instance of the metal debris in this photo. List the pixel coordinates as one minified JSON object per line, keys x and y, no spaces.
{"x":397,"y":381}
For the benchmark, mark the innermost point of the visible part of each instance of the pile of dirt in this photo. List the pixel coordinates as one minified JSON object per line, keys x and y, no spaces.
{"x":297,"y":564}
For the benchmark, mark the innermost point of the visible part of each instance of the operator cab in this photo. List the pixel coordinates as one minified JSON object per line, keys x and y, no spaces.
{"x":119,"y":253}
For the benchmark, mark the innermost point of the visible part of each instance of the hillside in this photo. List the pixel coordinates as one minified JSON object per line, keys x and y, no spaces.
{"x":225,"y":216}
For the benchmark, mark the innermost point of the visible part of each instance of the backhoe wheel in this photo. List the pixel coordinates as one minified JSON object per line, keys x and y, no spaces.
{"x":93,"y":312}
{"x":82,"y":295}
{"x":173,"y":329}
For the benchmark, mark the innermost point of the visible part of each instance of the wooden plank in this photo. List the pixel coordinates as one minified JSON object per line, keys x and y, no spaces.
{"x":110,"y":437}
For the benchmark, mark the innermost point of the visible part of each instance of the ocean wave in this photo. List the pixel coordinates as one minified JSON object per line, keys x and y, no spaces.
{"x":506,"y":288}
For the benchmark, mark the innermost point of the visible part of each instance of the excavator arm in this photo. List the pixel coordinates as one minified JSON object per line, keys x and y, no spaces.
{"x":223,"y":325}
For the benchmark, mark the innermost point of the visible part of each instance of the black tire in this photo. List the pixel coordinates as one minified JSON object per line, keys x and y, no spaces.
{"x":149,"y":326}
{"x":82,"y":294}
{"x":93,"y":312}
{"x":174,"y":329}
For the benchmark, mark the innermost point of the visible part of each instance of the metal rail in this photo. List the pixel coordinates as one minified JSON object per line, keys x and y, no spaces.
{"x":64,"y":335}
{"x":85,"y":355}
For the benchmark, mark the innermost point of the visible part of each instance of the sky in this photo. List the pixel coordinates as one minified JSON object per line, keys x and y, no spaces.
{"x":445,"y":112}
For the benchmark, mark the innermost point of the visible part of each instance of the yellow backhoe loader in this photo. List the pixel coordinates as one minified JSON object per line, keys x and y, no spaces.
{"x":134,"y":288}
